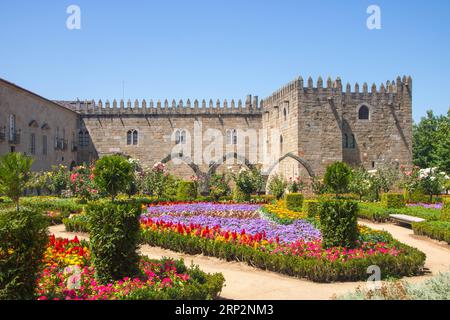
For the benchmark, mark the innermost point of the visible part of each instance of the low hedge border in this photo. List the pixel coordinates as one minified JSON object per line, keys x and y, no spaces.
{"x":438,"y":230}
{"x":408,"y":263}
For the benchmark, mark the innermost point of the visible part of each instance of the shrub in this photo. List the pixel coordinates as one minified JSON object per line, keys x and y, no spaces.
{"x":186,"y":191}
{"x":339,"y":225}
{"x":113,"y":174}
{"x":296,"y":185}
{"x":23,"y":240}
{"x":277,"y":186}
{"x":240,"y":196}
{"x":311,"y":207}
{"x":337,"y":177}
{"x":445,"y":212}
{"x":360,"y":182}
{"x":219,"y":186}
{"x":248,"y":181}
{"x":294,"y":201}
{"x":114,"y":235}
{"x":15,"y":172}
{"x":372,"y":211}
{"x":82,"y":183}
{"x":77,"y":223}
{"x":438,"y":230}
{"x":58,"y":179}
{"x":393,"y":200}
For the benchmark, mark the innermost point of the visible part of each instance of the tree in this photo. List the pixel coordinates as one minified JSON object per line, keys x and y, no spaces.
{"x":337,"y":177}
{"x":431,"y":142}
{"x":15,"y":172}
{"x":432,"y":181}
{"x":219,"y":186}
{"x":360,"y":182}
{"x":383,"y":180}
{"x":277,"y":186}
{"x":113,"y":174}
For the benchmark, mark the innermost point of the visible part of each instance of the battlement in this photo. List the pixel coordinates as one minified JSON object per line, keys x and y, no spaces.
{"x":251,"y":106}
{"x":394,"y":87}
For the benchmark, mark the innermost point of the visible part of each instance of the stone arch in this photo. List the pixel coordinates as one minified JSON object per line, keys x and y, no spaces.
{"x":186,"y":160}
{"x":215,"y":164}
{"x":302,"y":161}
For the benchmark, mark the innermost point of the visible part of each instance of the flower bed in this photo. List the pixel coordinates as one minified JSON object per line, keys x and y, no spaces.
{"x":69,"y":275}
{"x":301,"y":257}
{"x":279,"y":213}
{"x":205,"y":209}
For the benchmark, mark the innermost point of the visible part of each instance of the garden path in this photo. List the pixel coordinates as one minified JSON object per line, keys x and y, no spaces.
{"x":245,"y":282}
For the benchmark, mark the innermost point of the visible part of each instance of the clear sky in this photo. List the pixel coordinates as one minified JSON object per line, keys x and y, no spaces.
{"x":222,"y":48}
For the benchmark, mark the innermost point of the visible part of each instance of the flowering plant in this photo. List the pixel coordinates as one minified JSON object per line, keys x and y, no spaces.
{"x":82,"y":183}
{"x":296,"y":185}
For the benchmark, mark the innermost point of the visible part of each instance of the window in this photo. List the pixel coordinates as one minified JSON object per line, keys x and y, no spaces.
{"x":363,"y":113}
{"x":345,"y":141}
{"x":281,"y":145}
{"x":285,"y":114}
{"x":12,"y":127}
{"x":32,"y":143}
{"x":132,"y":137}
{"x":353,"y":142}
{"x":83,"y":138}
{"x":231,"y":136}
{"x":44,"y":145}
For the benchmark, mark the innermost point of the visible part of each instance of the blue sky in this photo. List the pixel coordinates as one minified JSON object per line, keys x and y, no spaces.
{"x":222,"y":48}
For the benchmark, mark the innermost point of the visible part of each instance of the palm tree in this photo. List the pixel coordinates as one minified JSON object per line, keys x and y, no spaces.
{"x":15,"y":171}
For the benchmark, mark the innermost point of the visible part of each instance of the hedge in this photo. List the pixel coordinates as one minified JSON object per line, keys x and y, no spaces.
{"x":376,"y":212}
{"x":445,"y":212}
{"x":372,"y":211}
{"x":294,"y":201}
{"x":393,"y":200}
{"x":438,"y":230}
{"x":24,"y":237}
{"x":408,"y":263}
{"x":311,"y":207}
{"x":186,"y":190}
{"x":77,"y":223}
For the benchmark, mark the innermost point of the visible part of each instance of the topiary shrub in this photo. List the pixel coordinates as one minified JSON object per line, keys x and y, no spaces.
{"x":186,"y":191}
{"x":23,"y":241}
{"x":445,"y":212}
{"x":339,"y":225}
{"x":393,"y":200}
{"x":114,"y":237}
{"x":337,"y":177}
{"x":294,"y":201}
{"x":311,"y":207}
{"x":113,"y":174}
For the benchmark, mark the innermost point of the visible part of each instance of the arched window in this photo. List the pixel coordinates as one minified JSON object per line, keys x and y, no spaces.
{"x":83,"y":138}
{"x":285,"y":114}
{"x":177,"y":137}
{"x":132,"y":137}
{"x":345,"y":140}
{"x":232,"y":136}
{"x":363,"y":113}
{"x":353,"y":142}
{"x":183,"y":137}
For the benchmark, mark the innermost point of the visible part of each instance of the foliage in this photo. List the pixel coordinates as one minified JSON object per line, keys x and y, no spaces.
{"x":383,"y":179}
{"x":219,"y":186}
{"x":337,"y":177}
{"x":432,"y":181}
{"x":431,"y":142}
{"x":82,"y":183}
{"x":114,"y":236}
{"x":373,"y":211}
{"x":439,"y":230}
{"x":38,"y":182}
{"x":393,"y":200}
{"x":187,"y":190}
{"x":23,"y":239}
{"x":294,"y":201}
{"x":339,"y":225}
{"x":360,"y":182}
{"x":77,"y":223}
{"x":58,"y":179}
{"x":159,"y":183}
{"x":445,"y":211}
{"x":318,"y":186}
{"x":248,"y":181}
{"x":277,"y":186}
{"x":296,"y":185}
{"x":113,"y":174}
{"x":436,"y":288}
{"x":15,"y":172}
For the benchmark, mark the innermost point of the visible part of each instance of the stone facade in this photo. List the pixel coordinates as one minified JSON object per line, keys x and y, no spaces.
{"x":37,"y":127}
{"x":301,"y":128}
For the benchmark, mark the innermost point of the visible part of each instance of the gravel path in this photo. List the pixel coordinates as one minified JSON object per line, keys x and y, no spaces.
{"x":245,"y":282}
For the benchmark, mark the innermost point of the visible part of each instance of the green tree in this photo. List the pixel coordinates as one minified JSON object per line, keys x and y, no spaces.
{"x":431,"y":142}
{"x":337,"y":177}
{"x":113,"y":174}
{"x":219,"y":186}
{"x":383,"y":180}
{"x":277,"y":186}
{"x":15,"y":172}
{"x":360,"y":182}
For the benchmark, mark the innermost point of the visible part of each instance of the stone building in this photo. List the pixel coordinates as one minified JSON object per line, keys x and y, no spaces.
{"x":297,"y":131}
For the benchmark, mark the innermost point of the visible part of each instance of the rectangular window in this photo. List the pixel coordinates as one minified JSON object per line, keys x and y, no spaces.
{"x":12,"y":127}
{"x":33,"y":143}
{"x":44,"y":145}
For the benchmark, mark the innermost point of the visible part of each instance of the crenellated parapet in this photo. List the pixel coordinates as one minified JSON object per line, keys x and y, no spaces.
{"x":250,"y":106}
{"x":390,"y":91}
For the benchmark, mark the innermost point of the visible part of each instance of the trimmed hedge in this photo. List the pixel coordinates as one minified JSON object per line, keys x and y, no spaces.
{"x":186,"y":190}
{"x":311,"y":207}
{"x":339,"y":223}
{"x":114,"y":232}
{"x":445,"y":212}
{"x":294,"y":201}
{"x":438,"y":230}
{"x":372,"y":211}
{"x":393,"y":200}
{"x":376,"y":212}
{"x":78,"y":223}
{"x":408,"y":263}
{"x":23,"y":241}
